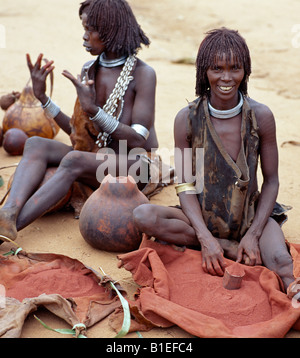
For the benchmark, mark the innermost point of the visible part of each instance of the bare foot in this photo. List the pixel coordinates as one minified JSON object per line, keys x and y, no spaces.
{"x":230,"y":248}
{"x":7,"y":225}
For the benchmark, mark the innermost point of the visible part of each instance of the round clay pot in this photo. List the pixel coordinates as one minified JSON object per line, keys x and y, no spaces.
{"x":106,"y":220}
{"x":14,"y":140}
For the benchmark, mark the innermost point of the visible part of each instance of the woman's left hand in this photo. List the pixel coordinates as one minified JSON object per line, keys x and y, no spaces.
{"x":248,"y":251}
{"x":86,"y":93}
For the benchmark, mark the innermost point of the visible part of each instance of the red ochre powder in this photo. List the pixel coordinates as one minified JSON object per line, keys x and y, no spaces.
{"x":245,"y":306}
{"x":235,"y":270}
{"x":62,"y":281}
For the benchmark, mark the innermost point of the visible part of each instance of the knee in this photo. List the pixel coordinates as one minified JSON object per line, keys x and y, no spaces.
{"x":72,"y":161}
{"x":274,"y":251}
{"x":35,"y":146}
{"x":70,"y":167}
{"x":144,"y":217}
{"x":282,"y":259}
{"x":278,"y":260}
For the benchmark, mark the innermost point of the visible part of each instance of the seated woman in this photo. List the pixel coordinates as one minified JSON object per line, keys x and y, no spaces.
{"x":116,"y":102}
{"x":222,"y":211}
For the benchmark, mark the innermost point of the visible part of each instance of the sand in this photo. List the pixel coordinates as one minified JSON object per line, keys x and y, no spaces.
{"x":176,"y":28}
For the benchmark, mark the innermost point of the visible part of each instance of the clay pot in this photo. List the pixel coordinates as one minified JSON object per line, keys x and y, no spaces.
{"x":14,"y":141}
{"x":27,"y":114}
{"x":106,"y":220}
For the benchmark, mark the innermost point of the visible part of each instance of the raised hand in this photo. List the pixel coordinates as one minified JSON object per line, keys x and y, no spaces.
{"x":39,"y":75}
{"x":86,"y":93}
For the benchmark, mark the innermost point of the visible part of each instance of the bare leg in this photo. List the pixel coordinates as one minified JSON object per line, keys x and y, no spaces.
{"x":38,"y":154}
{"x":171,"y":225}
{"x":165,"y":223}
{"x":274,"y":252}
{"x":76,"y":165}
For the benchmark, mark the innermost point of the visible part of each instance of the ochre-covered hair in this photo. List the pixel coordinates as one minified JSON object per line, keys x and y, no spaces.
{"x":84,"y":7}
{"x":216,"y":43}
{"x":117,"y":26}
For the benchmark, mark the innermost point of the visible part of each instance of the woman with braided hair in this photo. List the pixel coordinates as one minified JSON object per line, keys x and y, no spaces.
{"x":225,"y":214}
{"x":116,"y":102}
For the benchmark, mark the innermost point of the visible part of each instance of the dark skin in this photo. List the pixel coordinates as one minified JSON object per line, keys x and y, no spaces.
{"x":264,"y":240}
{"x":24,"y":204}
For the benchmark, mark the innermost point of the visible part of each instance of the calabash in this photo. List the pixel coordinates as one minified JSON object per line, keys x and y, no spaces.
{"x":106,"y":219}
{"x":27,"y":114}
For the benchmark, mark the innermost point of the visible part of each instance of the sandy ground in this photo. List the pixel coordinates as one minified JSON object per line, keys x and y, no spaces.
{"x":176,"y":28}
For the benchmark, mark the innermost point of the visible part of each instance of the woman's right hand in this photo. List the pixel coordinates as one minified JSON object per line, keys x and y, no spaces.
{"x":39,"y":75}
{"x":212,"y":257}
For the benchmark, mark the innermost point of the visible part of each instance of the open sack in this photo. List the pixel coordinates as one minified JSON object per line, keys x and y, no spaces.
{"x":176,"y":291}
{"x":61,"y":284}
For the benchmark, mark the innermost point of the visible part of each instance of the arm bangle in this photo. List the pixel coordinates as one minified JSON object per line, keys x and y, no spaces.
{"x":51,"y":109}
{"x":105,"y":122}
{"x":185,"y":187}
{"x":141,"y":130}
